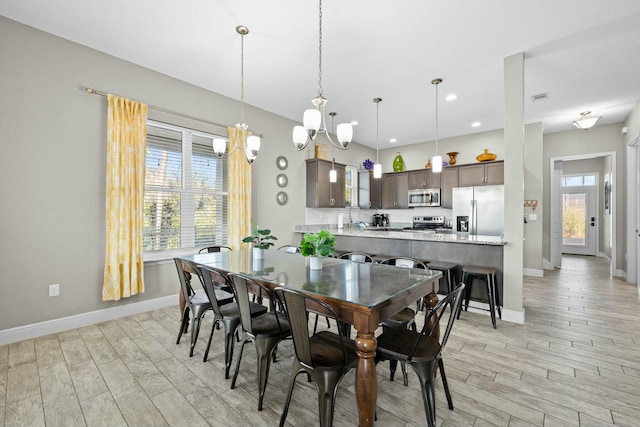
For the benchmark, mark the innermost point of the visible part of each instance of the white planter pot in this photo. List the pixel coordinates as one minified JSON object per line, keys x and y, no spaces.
{"x":258,"y":253}
{"x":315,"y":263}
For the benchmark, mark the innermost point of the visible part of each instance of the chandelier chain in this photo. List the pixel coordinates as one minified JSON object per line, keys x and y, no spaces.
{"x":320,"y":90}
{"x":241,"y":78}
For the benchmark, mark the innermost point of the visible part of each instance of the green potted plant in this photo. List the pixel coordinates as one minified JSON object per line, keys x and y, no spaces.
{"x":260,"y":239}
{"x":316,"y":246}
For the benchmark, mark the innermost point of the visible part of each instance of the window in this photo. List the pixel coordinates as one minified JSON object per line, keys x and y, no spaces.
{"x":185,"y":200}
{"x":350,"y":186}
{"x":578,"y":180}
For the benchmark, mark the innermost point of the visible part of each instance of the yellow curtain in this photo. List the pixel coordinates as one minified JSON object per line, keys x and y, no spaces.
{"x":126,"y":146}
{"x":239,"y":187}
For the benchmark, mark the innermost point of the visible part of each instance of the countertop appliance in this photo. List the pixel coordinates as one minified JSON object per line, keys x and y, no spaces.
{"x":479,"y":210}
{"x":424,"y":197}
{"x":428,"y":223}
{"x":380,"y":220}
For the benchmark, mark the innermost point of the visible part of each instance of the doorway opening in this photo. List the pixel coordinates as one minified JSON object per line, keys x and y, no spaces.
{"x":580,"y":225}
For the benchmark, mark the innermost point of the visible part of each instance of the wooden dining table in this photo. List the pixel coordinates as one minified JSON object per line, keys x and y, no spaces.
{"x":362,"y":294}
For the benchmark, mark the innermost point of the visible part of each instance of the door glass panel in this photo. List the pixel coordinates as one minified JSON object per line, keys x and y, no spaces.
{"x":574,"y":219}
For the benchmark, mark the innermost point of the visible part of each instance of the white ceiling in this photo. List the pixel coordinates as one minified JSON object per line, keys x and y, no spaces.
{"x":584,"y":53}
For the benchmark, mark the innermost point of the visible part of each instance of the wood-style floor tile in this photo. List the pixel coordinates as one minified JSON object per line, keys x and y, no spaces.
{"x":102,"y":411}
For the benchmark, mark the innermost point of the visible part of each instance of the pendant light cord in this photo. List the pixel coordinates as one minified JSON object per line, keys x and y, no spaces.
{"x":241,"y":78}
{"x":377,"y":101}
{"x":437,"y":83}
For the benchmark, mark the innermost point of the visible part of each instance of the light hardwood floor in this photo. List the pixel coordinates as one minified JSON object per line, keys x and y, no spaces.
{"x":576,"y":362}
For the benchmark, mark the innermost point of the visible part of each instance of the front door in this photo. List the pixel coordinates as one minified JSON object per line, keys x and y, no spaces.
{"x":579,"y":220}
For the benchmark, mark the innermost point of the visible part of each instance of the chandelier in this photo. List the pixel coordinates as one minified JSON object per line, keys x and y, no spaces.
{"x":586,"y":122}
{"x":313,"y":120}
{"x":251,"y":144}
{"x":436,"y":161}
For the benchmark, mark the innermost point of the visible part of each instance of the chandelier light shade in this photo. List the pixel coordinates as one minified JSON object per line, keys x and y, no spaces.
{"x":251,"y":144}
{"x":436,"y":161}
{"x":586,"y":122}
{"x":377,"y":167}
{"x":313,"y":121}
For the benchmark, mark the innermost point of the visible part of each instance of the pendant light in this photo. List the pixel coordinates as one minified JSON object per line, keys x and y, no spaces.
{"x":333,"y":174}
{"x":313,"y":119}
{"x":586,"y":122}
{"x":377,"y":167}
{"x":251,"y":144}
{"x":436,"y":161}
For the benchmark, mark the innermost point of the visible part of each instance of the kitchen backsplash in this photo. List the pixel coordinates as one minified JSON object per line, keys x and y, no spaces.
{"x":330,"y":216}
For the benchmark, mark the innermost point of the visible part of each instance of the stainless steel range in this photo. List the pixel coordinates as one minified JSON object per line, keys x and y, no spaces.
{"x":427,"y":223}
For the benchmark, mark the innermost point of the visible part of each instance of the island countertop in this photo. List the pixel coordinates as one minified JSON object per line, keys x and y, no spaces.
{"x":401,"y":234}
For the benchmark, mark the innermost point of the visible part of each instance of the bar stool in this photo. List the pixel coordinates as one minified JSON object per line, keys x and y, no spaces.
{"x":488,"y":274}
{"x":449,"y":272}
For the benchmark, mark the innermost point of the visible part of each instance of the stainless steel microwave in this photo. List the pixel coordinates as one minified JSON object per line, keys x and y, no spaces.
{"x":424,"y":197}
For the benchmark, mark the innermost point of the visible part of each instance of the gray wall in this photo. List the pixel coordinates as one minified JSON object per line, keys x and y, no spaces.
{"x":52,"y":170}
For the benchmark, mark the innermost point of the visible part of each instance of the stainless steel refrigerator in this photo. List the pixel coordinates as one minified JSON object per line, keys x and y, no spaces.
{"x":479,"y":210}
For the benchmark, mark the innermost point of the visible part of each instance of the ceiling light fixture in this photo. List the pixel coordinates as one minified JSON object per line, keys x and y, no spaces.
{"x":251,"y":144}
{"x":377,"y":167}
{"x":436,"y":161}
{"x":313,"y":119}
{"x":451,"y":97}
{"x":333,"y":174}
{"x":586,"y":122}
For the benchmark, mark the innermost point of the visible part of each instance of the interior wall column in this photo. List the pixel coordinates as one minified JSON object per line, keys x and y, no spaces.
{"x":513,"y":187}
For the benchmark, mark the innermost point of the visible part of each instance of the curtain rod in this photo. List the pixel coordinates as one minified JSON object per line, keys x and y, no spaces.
{"x":164,"y":110}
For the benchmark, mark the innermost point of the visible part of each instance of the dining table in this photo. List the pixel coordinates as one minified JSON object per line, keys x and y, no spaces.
{"x":362,"y":294}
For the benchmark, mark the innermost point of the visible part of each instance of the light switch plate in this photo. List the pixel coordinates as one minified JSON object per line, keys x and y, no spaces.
{"x":54,"y":290}
{"x":533,"y":217}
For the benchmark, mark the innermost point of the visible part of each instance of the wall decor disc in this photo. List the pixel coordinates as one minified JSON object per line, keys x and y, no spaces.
{"x":282,"y":180}
{"x":282,"y":198}
{"x":282,"y":162}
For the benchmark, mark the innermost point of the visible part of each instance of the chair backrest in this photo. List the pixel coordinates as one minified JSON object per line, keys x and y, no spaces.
{"x":211,"y":280}
{"x":218,"y":248}
{"x":185,"y":284}
{"x":297,"y":304}
{"x":432,"y":319}
{"x":242,"y":286}
{"x":290,"y":249}
{"x":405,"y":262}
{"x":357,"y":257}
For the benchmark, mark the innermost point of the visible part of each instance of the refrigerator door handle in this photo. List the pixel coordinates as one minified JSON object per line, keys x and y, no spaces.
{"x":472,"y":221}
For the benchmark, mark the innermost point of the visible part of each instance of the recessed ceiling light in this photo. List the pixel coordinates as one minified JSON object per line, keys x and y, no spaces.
{"x":354,"y":123}
{"x":451,"y":97}
{"x":475,"y":124}
{"x":392,"y":140}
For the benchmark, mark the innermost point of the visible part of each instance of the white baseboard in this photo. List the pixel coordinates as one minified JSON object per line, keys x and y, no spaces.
{"x":21,"y":333}
{"x":620,"y":273}
{"x":507,"y":315}
{"x":534,"y":272}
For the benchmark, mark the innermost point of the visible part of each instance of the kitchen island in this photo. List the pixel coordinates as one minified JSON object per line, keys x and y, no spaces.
{"x":462,"y":249}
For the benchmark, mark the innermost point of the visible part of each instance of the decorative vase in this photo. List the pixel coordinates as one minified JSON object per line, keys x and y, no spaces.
{"x":315,"y":263}
{"x":398,"y":163}
{"x":258,"y":264}
{"x":486,"y":156}
{"x":257,"y":253}
{"x":452,"y":157}
{"x":315,"y":275}
{"x":428,"y":165}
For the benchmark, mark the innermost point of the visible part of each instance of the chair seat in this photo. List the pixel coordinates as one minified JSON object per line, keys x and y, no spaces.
{"x":399,"y":344}
{"x":474,"y":269}
{"x":222,"y":296}
{"x":232,"y":310}
{"x":441,"y":265}
{"x":326,"y":351}
{"x":199,"y":298}
{"x":268,"y":325}
{"x":400,"y":319}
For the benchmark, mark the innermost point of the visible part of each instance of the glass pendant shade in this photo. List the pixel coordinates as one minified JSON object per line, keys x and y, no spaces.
{"x":219,"y":146}
{"x":436,"y":164}
{"x":311,"y":120}
{"x":300,"y":137}
{"x":333,"y":175}
{"x":586,"y":122}
{"x":377,"y":170}
{"x":345,"y":134}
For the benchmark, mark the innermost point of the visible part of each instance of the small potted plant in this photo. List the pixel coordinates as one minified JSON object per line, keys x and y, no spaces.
{"x":261,"y":241}
{"x":316,"y":246}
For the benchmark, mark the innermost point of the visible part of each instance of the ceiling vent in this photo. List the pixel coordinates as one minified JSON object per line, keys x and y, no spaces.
{"x":540,"y":97}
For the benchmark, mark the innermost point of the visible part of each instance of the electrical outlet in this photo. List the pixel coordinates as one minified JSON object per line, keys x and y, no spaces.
{"x":54,"y":290}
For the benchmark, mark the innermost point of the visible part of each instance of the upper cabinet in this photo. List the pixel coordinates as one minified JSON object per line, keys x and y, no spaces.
{"x":369,"y":190}
{"x":321,"y":193}
{"x":449,"y":180}
{"x":481,"y":174}
{"x":395,"y":190}
{"x":423,"y":178}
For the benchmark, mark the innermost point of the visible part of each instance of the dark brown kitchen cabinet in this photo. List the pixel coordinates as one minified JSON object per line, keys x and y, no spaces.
{"x":449,"y":180}
{"x":369,"y":190}
{"x":481,"y":174}
{"x":395,"y":190}
{"x":423,"y":178}
{"x":321,"y":193}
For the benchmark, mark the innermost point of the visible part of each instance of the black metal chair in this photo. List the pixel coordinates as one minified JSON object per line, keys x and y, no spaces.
{"x":292,"y":249}
{"x":325,"y":356}
{"x":226,"y":312}
{"x":405,"y":318}
{"x":196,"y":305}
{"x":214,"y":249}
{"x":356,"y":256}
{"x":422,"y":350}
{"x":265,"y":331}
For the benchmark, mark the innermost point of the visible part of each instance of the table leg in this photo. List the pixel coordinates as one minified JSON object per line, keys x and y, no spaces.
{"x":366,"y":380}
